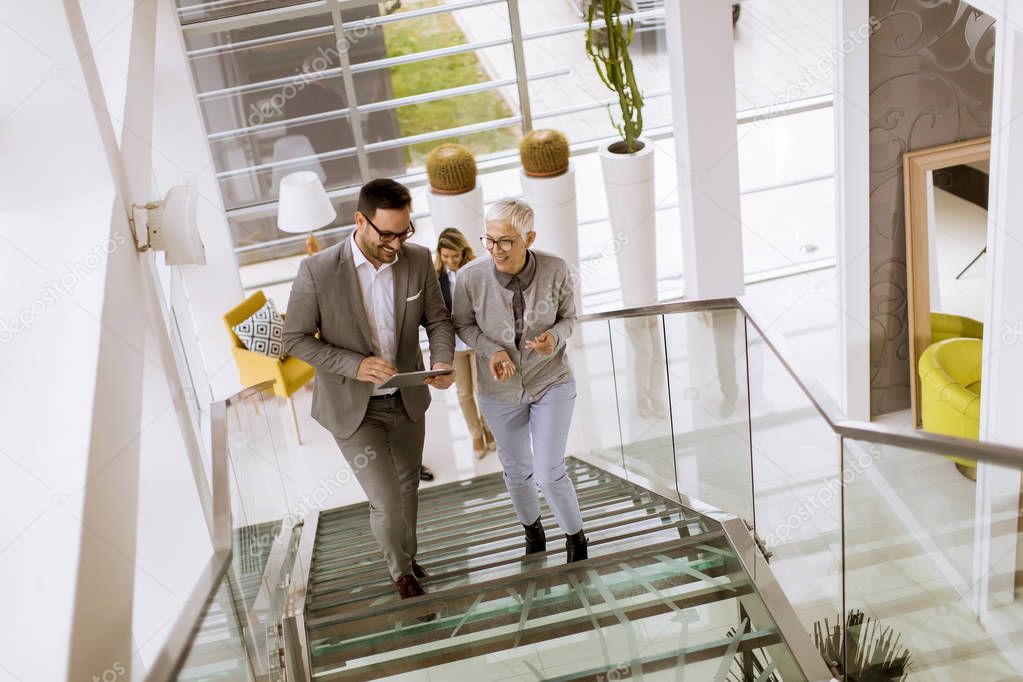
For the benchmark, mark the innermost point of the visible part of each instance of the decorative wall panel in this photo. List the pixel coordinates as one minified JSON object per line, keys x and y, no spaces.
{"x":931,"y":80}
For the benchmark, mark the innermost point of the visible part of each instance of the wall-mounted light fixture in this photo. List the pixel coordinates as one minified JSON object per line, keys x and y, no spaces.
{"x":172,"y":226}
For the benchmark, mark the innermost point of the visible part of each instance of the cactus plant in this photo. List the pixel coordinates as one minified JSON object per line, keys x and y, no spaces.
{"x":544,"y":153}
{"x":614,"y":66}
{"x":451,"y":169}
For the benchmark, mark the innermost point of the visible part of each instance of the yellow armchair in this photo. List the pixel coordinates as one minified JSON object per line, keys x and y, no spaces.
{"x":950,"y":392}
{"x":289,"y":374}
{"x":945,"y":326}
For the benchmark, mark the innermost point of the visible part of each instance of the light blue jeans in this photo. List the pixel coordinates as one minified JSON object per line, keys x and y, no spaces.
{"x":531,"y":439}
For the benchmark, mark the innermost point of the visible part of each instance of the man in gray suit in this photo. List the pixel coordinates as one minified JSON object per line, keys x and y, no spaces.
{"x":354,"y":315}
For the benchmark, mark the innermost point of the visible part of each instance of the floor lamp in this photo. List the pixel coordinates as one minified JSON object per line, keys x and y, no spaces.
{"x":303,"y":206}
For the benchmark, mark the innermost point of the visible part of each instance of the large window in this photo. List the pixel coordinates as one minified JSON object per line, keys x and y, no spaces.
{"x":369,"y":89}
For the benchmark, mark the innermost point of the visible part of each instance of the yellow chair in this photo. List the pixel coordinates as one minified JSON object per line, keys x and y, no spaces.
{"x":289,"y":374}
{"x":950,"y":392}
{"x":945,"y":326}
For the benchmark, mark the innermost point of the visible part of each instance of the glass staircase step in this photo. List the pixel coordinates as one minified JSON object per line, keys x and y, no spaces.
{"x":459,"y":522}
{"x":482,"y":542}
{"x":480,"y":502}
{"x":508,"y":560}
{"x":655,"y":568}
{"x":553,"y":603}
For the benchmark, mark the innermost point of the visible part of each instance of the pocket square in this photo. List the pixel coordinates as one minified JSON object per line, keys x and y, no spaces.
{"x":412,"y":298}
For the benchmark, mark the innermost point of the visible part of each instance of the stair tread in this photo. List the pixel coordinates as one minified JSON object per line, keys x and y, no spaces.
{"x":472,"y":545}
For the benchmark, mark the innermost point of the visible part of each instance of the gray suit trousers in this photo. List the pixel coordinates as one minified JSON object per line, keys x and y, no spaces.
{"x":385,"y":454}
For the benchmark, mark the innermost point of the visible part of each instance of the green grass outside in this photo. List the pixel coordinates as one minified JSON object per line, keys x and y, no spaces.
{"x":430,"y":33}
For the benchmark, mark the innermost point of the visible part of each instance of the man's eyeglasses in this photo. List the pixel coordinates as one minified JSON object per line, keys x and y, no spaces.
{"x":504,"y":245}
{"x":388,"y":237}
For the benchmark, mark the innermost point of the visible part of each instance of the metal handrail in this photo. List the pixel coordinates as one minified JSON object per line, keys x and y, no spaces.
{"x":838,"y":422}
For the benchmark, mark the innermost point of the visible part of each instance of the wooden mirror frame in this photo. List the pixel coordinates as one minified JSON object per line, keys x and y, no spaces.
{"x":915,"y":167}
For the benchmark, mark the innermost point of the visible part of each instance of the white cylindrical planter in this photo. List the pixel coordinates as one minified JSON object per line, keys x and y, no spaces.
{"x":554,"y":213}
{"x":461,"y":211}
{"x":629,"y":184}
{"x":555,"y":219}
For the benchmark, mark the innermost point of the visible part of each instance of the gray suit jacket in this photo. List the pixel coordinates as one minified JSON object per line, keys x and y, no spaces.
{"x":485,"y":320}
{"x":326,"y":326}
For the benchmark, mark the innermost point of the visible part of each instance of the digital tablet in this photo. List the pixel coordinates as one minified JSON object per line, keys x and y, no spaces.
{"x":413,"y":378}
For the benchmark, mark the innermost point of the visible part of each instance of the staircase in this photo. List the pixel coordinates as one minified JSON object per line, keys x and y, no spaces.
{"x":663,"y":590}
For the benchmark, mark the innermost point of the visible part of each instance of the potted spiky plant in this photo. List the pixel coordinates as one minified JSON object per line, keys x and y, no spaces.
{"x":456,"y":199}
{"x":548,"y":185}
{"x":628,"y":162}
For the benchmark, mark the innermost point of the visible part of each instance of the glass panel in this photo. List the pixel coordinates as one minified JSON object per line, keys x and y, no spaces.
{"x":710,"y":409}
{"x":218,"y":652}
{"x":252,"y":231}
{"x":641,"y":382}
{"x":916,"y":570}
{"x":262,"y":52}
{"x":786,"y":167}
{"x":434,"y":31}
{"x":596,"y":409}
{"x":279,"y":143}
{"x":266,"y":510}
{"x":783,"y":51}
{"x":411,"y":158}
{"x":797,"y":483}
{"x":291,"y":155}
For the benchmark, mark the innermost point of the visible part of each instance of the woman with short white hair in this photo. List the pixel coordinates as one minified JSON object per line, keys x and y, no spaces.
{"x":517,"y":310}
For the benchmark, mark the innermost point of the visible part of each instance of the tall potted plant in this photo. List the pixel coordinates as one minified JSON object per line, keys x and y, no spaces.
{"x":628,"y":168}
{"x":627,"y":163}
{"x":456,"y":198}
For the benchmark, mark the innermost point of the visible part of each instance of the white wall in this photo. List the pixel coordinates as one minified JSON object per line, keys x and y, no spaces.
{"x":88,"y":397}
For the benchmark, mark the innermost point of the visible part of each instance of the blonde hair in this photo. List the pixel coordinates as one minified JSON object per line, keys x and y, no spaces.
{"x":517,"y":212}
{"x":452,"y":239}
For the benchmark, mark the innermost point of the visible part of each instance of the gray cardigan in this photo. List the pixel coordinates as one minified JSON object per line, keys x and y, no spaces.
{"x":483,"y":317}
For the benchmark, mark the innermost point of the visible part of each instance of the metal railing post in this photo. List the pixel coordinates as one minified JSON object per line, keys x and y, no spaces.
{"x":521,"y":75}
{"x":354,"y":117}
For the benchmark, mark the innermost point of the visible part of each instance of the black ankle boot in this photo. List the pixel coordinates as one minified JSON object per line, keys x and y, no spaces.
{"x":536,"y":540}
{"x":575,"y":547}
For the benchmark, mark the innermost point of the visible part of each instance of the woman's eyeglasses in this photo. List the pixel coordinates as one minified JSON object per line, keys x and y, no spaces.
{"x":388,"y":237}
{"x":504,"y":245}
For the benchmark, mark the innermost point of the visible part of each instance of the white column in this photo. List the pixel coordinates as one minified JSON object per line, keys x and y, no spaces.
{"x":998,"y":488}
{"x":702,"y":78}
{"x":852,"y":202}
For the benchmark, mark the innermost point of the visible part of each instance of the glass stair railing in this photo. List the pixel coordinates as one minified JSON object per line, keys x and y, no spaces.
{"x":664,"y":590}
{"x":694,"y":437}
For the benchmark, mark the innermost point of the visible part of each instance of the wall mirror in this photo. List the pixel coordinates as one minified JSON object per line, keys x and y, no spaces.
{"x":946,"y":195}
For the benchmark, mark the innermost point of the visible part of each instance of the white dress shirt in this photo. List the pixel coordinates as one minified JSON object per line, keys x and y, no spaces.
{"x":459,"y":344}
{"x":377,"y":285}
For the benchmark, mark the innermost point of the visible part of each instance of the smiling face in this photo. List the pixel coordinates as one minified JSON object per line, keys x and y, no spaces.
{"x":389,"y":221}
{"x":513,"y":260}
{"x":451,"y":258}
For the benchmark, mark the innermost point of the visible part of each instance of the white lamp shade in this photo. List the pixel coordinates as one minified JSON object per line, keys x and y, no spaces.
{"x":303,"y":204}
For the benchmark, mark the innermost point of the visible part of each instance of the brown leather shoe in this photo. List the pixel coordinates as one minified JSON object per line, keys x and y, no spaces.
{"x":419,"y":571}
{"x":408,"y":586}
{"x":478,"y":447}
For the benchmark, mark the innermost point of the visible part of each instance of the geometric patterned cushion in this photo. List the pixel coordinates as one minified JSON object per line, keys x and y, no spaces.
{"x":262,"y":332}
